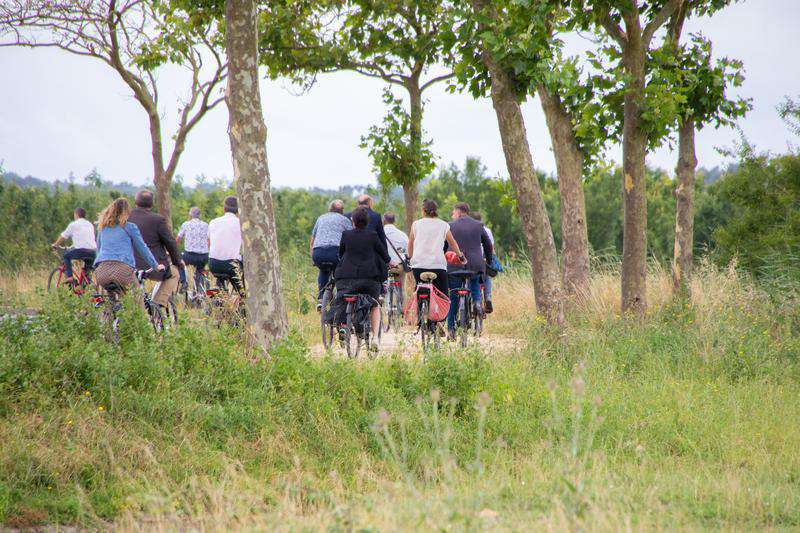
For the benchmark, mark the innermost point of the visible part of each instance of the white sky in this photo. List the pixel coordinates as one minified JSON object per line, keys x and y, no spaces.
{"x":60,"y":114}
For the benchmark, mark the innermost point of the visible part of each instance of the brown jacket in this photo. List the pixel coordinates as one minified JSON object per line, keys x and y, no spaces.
{"x":158,"y":236}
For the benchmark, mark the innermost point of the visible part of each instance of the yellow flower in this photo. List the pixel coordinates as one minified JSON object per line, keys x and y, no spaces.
{"x":87,"y":393}
{"x":69,"y":422}
{"x":101,"y":408}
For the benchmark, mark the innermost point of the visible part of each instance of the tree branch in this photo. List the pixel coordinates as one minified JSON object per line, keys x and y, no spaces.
{"x":437,"y":79}
{"x":612,"y":28}
{"x":660,"y":19}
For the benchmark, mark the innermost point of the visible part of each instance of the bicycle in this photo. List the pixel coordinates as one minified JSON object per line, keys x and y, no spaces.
{"x":196,"y":292}
{"x":430,"y":331}
{"x":393,"y":302}
{"x":223,"y":303}
{"x":357,"y":333}
{"x":326,"y":304}
{"x":110,"y":305}
{"x":162,"y":318}
{"x":57,"y":277}
{"x":468,"y":319}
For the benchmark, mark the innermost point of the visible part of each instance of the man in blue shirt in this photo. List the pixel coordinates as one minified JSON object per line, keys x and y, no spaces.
{"x":325,"y":239}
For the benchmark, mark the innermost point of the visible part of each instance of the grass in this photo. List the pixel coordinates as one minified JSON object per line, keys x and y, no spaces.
{"x":686,"y":419}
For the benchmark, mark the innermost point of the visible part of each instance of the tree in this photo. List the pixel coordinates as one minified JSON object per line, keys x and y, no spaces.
{"x":631,"y":26}
{"x":397,"y":41}
{"x":266,"y":313}
{"x":135,"y":38}
{"x":703,"y":84}
{"x":479,"y":68}
{"x":394,"y":151}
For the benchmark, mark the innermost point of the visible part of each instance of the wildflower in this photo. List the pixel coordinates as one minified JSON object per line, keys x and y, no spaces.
{"x":69,"y":422}
{"x":435,"y":395}
{"x":484,"y":399}
{"x":381,"y":421}
{"x":101,"y":408}
{"x":578,"y":386}
{"x":87,"y":393}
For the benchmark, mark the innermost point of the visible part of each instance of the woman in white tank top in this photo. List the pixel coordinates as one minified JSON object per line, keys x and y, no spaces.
{"x":426,"y":245}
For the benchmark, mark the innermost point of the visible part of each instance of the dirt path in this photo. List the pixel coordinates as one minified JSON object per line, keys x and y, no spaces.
{"x":407,"y":344}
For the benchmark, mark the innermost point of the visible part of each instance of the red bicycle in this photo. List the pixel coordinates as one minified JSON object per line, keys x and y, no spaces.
{"x":58,"y":277}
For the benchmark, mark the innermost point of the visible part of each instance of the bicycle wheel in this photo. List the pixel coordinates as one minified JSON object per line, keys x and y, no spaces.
{"x":462,"y":321}
{"x":378,"y":336}
{"x":156,"y":317}
{"x":328,"y":329}
{"x":54,"y":279}
{"x":388,"y":310}
{"x":424,"y":327}
{"x":477,"y":320}
{"x":171,"y":314}
{"x":351,"y":340}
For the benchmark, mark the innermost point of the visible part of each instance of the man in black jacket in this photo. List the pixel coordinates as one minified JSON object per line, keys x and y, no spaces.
{"x":471,"y":236}
{"x":157,"y":235}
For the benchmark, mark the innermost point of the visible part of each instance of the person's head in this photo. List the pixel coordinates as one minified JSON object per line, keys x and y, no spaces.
{"x":144,"y":199}
{"x":337,"y":206}
{"x":194,"y":212}
{"x":360,"y":217}
{"x":476,"y":215}
{"x":430,"y":208}
{"x":231,"y":205}
{"x":79,"y":213}
{"x":116,"y":214}
{"x":388,"y":218}
{"x":364,"y":201}
{"x":460,"y":209}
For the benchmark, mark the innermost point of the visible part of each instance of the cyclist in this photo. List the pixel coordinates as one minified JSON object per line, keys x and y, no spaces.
{"x":398,"y":242}
{"x":375,"y":224}
{"x":225,"y":245}
{"x":471,"y":236}
{"x":488,"y":281}
{"x":325,"y":239}
{"x":157,"y":234}
{"x":194,"y":233}
{"x":84,"y":246}
{"x":426,"y":245}
{"x":117,"y":239}
{"x":360,"y":254}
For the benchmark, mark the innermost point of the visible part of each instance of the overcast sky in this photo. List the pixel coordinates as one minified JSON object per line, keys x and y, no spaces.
{"x":60,"y":114}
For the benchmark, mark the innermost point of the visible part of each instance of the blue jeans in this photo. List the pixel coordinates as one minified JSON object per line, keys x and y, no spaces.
{"x":455,"y":283}
{"x":324,"y":254}
{"x":78,"y":254}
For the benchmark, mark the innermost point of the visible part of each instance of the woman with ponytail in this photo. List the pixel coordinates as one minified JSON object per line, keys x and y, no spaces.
{"x":116,"y":240}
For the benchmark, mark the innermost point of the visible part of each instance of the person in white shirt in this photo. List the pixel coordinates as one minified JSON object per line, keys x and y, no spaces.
{"x":397,"y":243}
{"x":225,"y":246}
{"x":194,"y":235}
{"x":84,"y":245}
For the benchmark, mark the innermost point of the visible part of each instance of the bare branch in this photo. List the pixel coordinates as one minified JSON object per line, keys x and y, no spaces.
{"x":437,"y":79}
{"x":612,"y":28}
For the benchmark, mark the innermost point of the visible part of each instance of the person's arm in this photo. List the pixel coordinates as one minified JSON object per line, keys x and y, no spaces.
{"x":165,"y":234}
{"x":63,"y":236}
{"x":410,"y":247}
{"x":382,"y":235}
{"x":181,"y":233}
{"x":313,"y":236}
{"x":140,"y":246}
{"x":488,"y":248}
{"x":342,"y":247}
{"x":451,"y":241}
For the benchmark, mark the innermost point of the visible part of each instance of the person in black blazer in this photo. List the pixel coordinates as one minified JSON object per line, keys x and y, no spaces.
{"x":374,"y":223}
{"x":360,"y":253}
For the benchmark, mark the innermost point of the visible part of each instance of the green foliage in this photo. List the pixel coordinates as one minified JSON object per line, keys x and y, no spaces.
{"x":764,"y":198}
{"x":397,"y":157}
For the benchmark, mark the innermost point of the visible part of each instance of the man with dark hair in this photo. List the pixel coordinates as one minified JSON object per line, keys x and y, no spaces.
{"x":84,"y":246}
{"x":471,"y":236}
{"x":157,"y":234}
{"x":225,"y":246}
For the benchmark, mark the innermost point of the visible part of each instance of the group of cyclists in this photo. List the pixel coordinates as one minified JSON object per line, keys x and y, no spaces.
{"x":363,"y":246}
{"x":130,"y":240}
{"x":359,"y":249}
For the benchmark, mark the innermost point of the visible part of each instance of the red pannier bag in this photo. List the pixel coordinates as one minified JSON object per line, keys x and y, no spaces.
{"x":438,"y":307}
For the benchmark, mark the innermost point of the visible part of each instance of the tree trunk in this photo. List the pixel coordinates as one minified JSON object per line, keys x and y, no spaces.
{"x":538,"y":233}
{"x":411,"y":183}
{"x":266,"y":314}
{"x":684,"y":213}
{"x":634,"y":147}
{"x":569,"y":166}
{"x":161,"y":179}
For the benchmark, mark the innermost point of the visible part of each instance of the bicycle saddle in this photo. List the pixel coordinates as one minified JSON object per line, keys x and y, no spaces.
{"x":428,"y":276}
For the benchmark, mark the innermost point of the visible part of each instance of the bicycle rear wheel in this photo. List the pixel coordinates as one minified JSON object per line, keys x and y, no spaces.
{"x":156,"y":317}
{"x":462,"y":321}
{"x":424,"y":326}
{"x":54,"y":279}
{"x":477,"y":320}
{"x":328,"y":329}
{"x":351,"y":340}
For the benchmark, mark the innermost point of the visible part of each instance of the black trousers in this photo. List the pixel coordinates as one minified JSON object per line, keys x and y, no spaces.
{"x":232,"y":270}
{"x":441,"y":278}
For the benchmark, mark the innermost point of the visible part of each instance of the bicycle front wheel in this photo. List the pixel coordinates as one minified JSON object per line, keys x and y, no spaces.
{"x":54,"y":279}
{"x":156,"y":317}
{"x":328,"y":328}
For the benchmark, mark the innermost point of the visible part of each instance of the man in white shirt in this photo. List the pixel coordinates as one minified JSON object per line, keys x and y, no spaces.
{"x":194,"y":235}
{"x":225,"y":246}
{"x":84,"y":246}
{"x":397,"y":238}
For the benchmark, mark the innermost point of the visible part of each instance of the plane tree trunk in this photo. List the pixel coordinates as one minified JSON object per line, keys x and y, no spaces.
{"x":569,"y":167}
{"x":266,"y":313}
{"x":683,"y":257}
